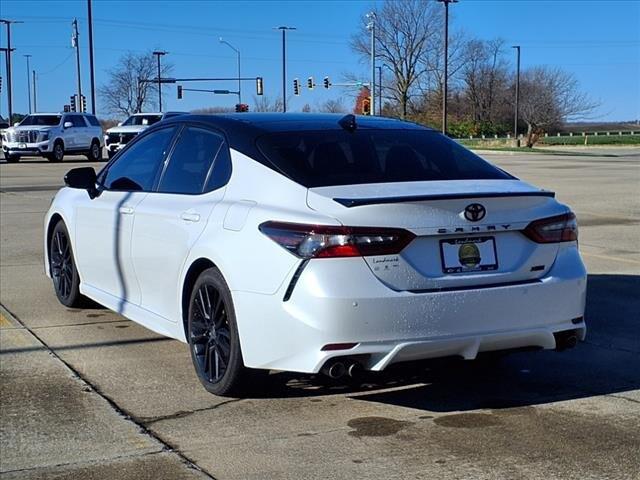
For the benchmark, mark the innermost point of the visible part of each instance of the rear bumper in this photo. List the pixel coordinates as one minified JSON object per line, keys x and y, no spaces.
{"x":340,"y":301}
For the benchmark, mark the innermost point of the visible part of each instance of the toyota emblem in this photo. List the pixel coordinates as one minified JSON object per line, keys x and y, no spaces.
{"x":474,"y":212}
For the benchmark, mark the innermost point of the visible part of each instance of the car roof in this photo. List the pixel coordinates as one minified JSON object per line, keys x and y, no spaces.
{"x":243,"y":129}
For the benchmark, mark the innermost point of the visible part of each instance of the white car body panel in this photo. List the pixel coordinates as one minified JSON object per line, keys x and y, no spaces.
{"x":136,"y":261}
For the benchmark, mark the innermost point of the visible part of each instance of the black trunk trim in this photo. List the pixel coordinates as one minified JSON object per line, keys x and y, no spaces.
{"x":357,"y":202}
{"x":477,"y":287}
{"x":294,"y":280}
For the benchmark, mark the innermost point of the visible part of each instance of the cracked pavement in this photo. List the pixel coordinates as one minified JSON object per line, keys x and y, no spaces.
{"x":89,"y":394}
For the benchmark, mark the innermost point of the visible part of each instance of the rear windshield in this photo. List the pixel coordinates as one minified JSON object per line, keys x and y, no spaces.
{"x":41,"y":120}
{"x":338,"y":157}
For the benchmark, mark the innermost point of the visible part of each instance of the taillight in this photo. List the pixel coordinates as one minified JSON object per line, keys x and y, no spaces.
{"x":561,"y":228}
{"x":325,"y":241}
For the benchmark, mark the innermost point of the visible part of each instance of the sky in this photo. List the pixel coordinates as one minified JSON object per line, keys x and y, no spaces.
{"x":597,"y":41}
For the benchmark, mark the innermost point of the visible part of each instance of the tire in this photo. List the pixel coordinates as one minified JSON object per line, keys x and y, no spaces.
{"x":95,"y":151}
{"x":58,"y":152}
{"x":11,"y":158}
{"x":110,"y":154}
{"x":213,"y":338}
{"x":66,"y":281}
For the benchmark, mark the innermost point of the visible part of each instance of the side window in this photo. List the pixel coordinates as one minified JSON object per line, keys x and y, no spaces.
{"x":93,"y":121}
{"x":77,"y":121}
{"x":137,"y":167}
{"x":221,"y":171}
{"x":190,"y":161}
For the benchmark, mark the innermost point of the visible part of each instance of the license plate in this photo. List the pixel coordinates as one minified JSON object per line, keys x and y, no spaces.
{"x":22,"y":145}
{"x":473,"y":254}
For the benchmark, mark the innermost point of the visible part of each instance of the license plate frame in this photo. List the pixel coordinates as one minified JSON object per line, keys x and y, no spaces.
{"x":449,"y":247}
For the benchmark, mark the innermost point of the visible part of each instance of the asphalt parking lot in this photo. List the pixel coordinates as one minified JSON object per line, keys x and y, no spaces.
{"x":89,"y":394}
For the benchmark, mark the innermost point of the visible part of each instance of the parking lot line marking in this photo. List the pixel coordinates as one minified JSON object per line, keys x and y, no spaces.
{"x":608,"y":257}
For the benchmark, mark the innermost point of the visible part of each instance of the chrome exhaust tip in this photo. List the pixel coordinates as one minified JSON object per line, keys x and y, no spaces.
{"x":354,"y":369}
{"x":335,"y":369}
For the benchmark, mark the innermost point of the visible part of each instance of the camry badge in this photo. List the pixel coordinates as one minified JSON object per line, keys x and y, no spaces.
{"x":474,"y":212}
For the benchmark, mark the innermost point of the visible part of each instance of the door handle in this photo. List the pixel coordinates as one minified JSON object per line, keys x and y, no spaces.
{"x":190,"y":217}
{"x":126,"y":210}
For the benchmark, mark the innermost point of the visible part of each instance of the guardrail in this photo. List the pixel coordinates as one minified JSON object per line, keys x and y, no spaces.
{"x":619,"y":133}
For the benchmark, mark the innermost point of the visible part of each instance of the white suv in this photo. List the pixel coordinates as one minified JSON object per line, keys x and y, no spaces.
{"x":51,"y":135}
{"x":117,"y":137}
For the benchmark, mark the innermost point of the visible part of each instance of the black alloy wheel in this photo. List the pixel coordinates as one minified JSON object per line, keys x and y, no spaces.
{"x":95,"y":152}
{"x":66,"y":281}
{"x":58,"y":152}
{"x":213,"y":336}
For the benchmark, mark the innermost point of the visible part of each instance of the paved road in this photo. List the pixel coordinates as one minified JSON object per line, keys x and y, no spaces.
{"x":88,"y":394}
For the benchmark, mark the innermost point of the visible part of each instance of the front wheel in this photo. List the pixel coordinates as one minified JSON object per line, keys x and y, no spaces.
{"x":213,"y":336}
{"x":66,"y":281}
{"x":58,"y":152}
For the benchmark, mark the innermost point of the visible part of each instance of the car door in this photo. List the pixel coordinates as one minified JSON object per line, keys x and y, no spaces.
{"x":104,"y":224}
{"x":169,"y":221}
{"x":69,"y":133}
{"x":82,"y":132}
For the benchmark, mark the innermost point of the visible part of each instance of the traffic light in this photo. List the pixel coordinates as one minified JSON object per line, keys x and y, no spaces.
{"x":242,"y":107}
{"x":296,"y":86}
{"x":310,"y":83}
{"x":366,"y":106}
{"x":326,"y":82}
{"x":259,"y":86}
{"x":73,"y":103}
{"x":179,"y":92}
{"x":83,"y":103}
{"x":67,"y":108}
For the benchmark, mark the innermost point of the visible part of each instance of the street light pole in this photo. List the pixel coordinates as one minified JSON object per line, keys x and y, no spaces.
{"x":76,"y":43}
{"x":239,"y":75}
{"x":158,"y":54}
{"x":379,"y":90}
{"x":515,"y":121}
{"x":35,"y":103}
{"x":8,"y":59}
{"x":284,"y":65}
{"x":445,"y":92}
{"x":372,"y":27}
{"x":91,"y":66}
{"x":28,"y":81}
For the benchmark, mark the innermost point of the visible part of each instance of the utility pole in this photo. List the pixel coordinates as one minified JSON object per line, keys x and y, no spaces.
{"x":371,"y":26}
{"x":515,"y":121}
{"x":445,"y":92}
{"x":28,"y":81}
{"x":239,"y":76}
{"x":8,"y":58}
{"x":284,"y":65}
{"x":35,"y":103}
{"x":91,"y":66}
{"x":158,"y":54}
{"x":379,"y":90}
{"x":76,"y":44}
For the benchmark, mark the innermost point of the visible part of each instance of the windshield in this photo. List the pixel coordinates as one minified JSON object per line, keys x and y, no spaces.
{"x":41,"y":120}
{"x":338,"y":157}
{"x":142,"y":119}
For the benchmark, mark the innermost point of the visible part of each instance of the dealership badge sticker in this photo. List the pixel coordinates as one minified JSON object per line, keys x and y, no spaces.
{"x":469,"y":255}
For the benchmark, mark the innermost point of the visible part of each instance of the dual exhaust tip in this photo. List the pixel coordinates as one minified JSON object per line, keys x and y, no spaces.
{"x":338,"y":369}
{"x":566,"y":340}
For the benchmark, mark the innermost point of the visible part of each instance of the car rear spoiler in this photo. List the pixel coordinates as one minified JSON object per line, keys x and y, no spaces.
{"x":357,"y":202}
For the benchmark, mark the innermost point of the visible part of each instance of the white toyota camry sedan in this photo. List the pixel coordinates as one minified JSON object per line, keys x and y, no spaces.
{"x":316,"y":243}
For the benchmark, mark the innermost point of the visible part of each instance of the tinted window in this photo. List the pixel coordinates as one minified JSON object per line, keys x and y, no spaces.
{"x":221,"y":171}
{"x":77,"y":120}
{"x":190,"y":161}
{"x":338,"y":157}
{"x":142,"y":119}
{"x":137,"y":167}
{"x":41,"y":120}
{"x":93,"y":120}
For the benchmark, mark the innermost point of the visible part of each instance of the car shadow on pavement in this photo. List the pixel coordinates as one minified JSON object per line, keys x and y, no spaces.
{"x":607,"y":363}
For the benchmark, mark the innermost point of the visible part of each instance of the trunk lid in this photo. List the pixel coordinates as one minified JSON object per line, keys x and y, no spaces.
{"x":435,"y":212}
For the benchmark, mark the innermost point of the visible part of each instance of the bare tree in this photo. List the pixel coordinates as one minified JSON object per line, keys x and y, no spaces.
{"x":333,"y":106}
{"x":405,"y":31}
{"x":485,"y":77}
{"x":123,"y":94}
{"x":212,"y":110}
{"x":549,"y":97}
{"x":265,"y":103}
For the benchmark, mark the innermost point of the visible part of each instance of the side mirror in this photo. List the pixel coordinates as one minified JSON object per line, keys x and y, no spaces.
{"x":83,"y":178}
{"x":16,"y":124}
{"x":68,"y":125}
